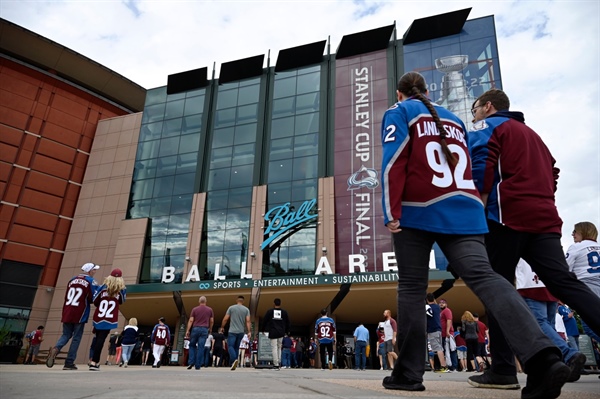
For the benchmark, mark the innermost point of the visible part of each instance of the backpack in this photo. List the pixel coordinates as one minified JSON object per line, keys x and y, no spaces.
{"x":30,"y":336}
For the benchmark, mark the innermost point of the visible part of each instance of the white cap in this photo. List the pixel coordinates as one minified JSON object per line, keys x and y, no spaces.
{"x":88,"y":267}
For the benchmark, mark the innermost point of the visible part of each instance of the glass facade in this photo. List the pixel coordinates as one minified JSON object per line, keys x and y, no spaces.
{"x":230,"y":178}
{"x":164,"y":177}
{"x":293,"y":165}
{"x":273,"y":130}
{"x":458,"y":68}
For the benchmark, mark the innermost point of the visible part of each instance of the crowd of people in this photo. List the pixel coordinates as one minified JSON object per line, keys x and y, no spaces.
{"x":487,"y":198}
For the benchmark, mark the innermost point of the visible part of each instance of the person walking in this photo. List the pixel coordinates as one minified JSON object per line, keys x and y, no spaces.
{"x":429,"y":197}
{"x":75,"y":313}
{"x":583,"y":258}
{"x":106,"y":317}
{"x":326,"y":335}
{"x":128,"y":341}
{"x":390,"y":329}
{"x":448,"y":341}
{"x":361,"y":340}
{"x":161,"y":338}
{"x":35,"y":341}
{"x":238,"y":317}
{"x":208,"y":350}
{"x":515,"y":174}
{"x":217,"y":348}
{"x":276,"y":324}
{"x":146,"y":348}
{"x":470,"y":329}
{"x":543,"y":306}
{"x":300,"y":348}
{"x":381,"y":348}
{"x":434,"y":330}
{"x":199,"y":324}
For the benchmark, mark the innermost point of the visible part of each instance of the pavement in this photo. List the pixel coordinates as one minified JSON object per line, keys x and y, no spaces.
{"x":112,"y":382}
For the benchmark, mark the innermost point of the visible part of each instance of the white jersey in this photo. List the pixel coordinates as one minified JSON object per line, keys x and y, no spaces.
{"x":559,"y":324}
{"x":526,"y":277}
{"x":584,"y":259}
{"x":209,"y":341}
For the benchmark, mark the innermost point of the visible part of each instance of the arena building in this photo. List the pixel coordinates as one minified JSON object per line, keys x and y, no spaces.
{"x":260,"y":179}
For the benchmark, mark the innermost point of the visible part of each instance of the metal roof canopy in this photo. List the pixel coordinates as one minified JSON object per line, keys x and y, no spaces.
{"x":241,"y":69}
{"x":436,"y":26}
{"x":188,"y":80}
{"x":297,"y":57}
{"x":365,"y":42}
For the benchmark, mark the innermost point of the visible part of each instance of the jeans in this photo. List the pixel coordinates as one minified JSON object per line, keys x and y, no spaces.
{"x":381,"y":352}
{"x":276,"y":351}
{"x":207,"y":356}
{"x":286,"y":357}
{"x":360,"y":354}
{"x":74,"y":330}
{"x":544,"y":254}
{"x":233,"y":346}
{"x":545,"y":313}
{"x":198,"y":337}
{"x":126,"y":354}
{"x":467,"y":256}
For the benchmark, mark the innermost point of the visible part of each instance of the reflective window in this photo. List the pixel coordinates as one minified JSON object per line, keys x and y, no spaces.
{"x":165,"y":176}
{"x":458,"y":68}
{"x":194,"y":105}
{"x":292,"y":167}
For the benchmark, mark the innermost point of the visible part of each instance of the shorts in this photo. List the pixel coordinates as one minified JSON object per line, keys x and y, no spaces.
{"x":112,"y":351}
{"x":381,"y":349}
{"x":435,"y":340}
{"x":461,"y":354}
{"x":33,"y":350}
{"x":389,"y":347}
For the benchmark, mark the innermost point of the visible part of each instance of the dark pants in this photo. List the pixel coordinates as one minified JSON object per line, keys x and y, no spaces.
{"x":544,"y":254}
{"x":322,"y":348}
{"x":468,"y":257}
{"x":100,"y":339}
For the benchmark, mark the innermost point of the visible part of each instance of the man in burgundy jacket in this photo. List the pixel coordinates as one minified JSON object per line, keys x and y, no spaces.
{"x":516,"y":176}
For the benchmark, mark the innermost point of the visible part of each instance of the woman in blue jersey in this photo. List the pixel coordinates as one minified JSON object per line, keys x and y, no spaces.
{"x":429,"y":196}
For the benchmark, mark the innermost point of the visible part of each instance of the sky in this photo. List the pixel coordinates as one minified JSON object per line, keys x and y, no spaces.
{"x":549,"y":55}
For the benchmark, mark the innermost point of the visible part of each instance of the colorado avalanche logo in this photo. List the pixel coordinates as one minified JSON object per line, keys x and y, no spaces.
{"x":364,"y":177}
{"x":479,"y":125}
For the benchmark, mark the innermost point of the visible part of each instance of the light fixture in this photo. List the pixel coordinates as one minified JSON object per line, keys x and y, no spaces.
{"x":252,"y":254}
{"x":324,"y":249}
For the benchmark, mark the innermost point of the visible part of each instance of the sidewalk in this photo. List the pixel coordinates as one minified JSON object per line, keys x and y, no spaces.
{"x":112,"y":382}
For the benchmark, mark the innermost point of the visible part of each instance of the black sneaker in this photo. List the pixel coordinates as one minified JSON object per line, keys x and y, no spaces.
{"x":402,"y":384}
{"x":69,"y":367}
{"x":548,"y":383}
{"x":489,"y":379}
{"x":94,"y":367}
{"x":158,"y":365}
{"x":190,"y":366}
{"x":51,"y":357}
{"x":576,"y":363}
